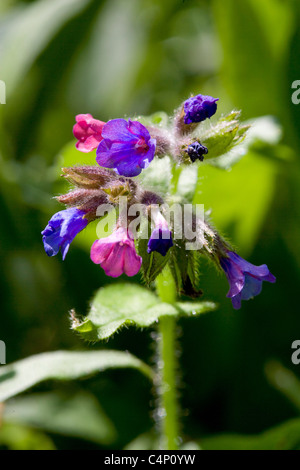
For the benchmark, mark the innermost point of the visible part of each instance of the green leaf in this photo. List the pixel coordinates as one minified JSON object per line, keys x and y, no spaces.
{"x":62,"y":365}
{"x":79,"y":415}
{"x":121,"y":305}
{"x":283,"y":437}
{"x":228,"y":140}
{"x":223,"y":136}
{"x":28,"y":31}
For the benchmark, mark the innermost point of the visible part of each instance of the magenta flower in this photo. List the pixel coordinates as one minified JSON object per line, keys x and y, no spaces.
{"x":127,"y":147}
{"x":245,"y":279}
{"x":87,"y":131}
{"x":198,"y":108}
{"x":116,"y":254}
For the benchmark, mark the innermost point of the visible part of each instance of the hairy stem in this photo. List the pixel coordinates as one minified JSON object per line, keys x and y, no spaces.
{"x":168,"y":407}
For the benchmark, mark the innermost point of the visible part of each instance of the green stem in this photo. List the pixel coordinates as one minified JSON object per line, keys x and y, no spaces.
{"x":167,"y":364}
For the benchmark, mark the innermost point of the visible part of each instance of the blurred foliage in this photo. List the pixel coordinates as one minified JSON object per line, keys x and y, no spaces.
{"x":112,"y":58}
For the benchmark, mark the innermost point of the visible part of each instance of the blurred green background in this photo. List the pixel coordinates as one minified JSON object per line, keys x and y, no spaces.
{"x":118,"y":58}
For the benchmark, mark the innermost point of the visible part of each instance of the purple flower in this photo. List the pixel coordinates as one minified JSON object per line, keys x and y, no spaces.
{"x":198,"y":108}
{"x":127,"y":147}
{"x":161,"y":237}
{"x":116,"y":254}
{"x":244,"y":278}
{"x":61,"y":230}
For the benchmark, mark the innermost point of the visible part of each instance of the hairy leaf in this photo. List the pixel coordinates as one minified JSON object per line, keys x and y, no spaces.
{"x":121,"y":305}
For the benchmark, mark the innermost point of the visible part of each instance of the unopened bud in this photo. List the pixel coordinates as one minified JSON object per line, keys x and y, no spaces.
{"x":196,"y":151}
{"x":92,"y":177}
{"x":149,"y":198}
{"x":87,"y":200}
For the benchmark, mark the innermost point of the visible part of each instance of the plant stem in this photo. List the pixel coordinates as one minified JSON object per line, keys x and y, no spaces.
{"x":168,"y":407}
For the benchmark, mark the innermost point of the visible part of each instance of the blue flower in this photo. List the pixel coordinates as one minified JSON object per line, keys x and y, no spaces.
{"x":198,"y":108}
{"x":61,"y":230}
{"x":245,"y":279}
{"x":127,"y":147}
{"x":161,"y":237}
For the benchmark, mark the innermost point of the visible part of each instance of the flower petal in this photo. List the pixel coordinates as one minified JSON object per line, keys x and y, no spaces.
{"x":62,"y":228}
{"x":117,"y":130}
{"x":132,"y":262}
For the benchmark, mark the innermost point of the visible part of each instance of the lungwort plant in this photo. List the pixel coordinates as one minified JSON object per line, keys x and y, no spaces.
{"x":145,"y":175}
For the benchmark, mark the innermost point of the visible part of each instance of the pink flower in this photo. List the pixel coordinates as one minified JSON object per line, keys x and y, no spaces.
{"x":88,"y":132}
{"x":116,"y":254}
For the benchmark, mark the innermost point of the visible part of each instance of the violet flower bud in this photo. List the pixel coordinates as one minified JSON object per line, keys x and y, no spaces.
{"x":161,"y":237}
{"x":198,"y":108}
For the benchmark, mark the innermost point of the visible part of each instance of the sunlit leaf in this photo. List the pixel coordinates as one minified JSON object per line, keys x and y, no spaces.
{"x":223,"y":136}
{"x":121,"y":305}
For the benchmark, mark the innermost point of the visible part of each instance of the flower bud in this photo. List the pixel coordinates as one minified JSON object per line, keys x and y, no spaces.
{"x":194,"y":110}
{"x":149,"y":198}
{"x":86,"y":200}
{"x":161,"y":236}
{"x":91,"y":177}
{"x":196,"y":151}
{"x":88,"y":132}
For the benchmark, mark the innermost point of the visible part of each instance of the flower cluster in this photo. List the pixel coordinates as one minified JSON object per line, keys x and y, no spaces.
{"x":125,"y":148}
